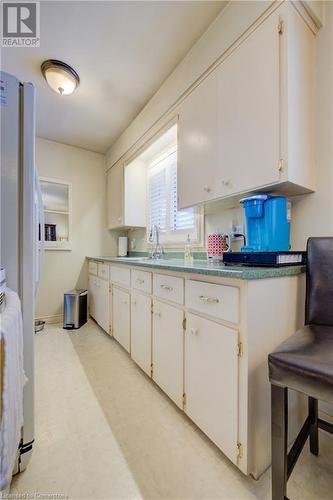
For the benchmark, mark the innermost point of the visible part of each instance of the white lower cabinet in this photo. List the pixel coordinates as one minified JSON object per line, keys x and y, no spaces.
{"x":121,"y":308}
{"x":93,"y":290}
{"x":211,"y":381}
{"x":99,"y":301}
{"x":213,"y":365}
{"x":103,"y":305}
{"x":141,"y":331}
{"x":168,"y":341}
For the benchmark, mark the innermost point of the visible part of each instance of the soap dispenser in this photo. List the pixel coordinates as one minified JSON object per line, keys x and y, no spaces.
{"x":188,"y":253}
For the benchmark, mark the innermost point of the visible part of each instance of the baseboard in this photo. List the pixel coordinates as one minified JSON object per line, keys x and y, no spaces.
{"x":54,"y":319}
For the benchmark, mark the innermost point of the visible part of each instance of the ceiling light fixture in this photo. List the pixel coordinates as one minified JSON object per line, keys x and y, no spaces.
{"x":60,"y":76}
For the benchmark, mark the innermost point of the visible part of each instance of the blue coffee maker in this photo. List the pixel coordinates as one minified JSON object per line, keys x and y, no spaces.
{"x":267,"y":223}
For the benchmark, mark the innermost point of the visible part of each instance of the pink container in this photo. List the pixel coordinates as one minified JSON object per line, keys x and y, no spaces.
{"x":217,"y":245}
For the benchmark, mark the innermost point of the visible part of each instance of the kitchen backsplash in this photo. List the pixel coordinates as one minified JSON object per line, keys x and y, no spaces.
{"x":220,"y":221}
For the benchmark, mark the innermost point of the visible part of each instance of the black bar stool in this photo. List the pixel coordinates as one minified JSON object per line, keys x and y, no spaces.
{"x":304,"y":362}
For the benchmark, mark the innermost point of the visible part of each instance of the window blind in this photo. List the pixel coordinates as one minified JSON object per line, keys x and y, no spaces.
{"x":180,"y":220}
{"x":162,"y":201}
{"x":158,"y":199}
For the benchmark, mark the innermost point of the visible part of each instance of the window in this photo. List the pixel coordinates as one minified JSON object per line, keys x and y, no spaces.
{"x":174,"y":224}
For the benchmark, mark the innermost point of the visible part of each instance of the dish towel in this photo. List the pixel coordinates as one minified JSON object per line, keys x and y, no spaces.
{"x":11,"y":333}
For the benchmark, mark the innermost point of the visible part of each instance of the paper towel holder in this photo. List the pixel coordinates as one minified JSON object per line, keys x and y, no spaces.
{"x":122,"y":246}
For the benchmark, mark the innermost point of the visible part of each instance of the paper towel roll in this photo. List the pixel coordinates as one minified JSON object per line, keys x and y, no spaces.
{"x":122,"y":246}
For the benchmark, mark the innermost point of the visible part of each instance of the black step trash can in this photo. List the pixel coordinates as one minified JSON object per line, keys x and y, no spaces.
{"x":75,"y":308}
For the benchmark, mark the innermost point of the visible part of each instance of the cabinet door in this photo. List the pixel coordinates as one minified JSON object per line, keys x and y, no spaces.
{"x":211,"y":381}
{"x":121,"y":317}
{"x":249,"y":112}
{"x":197,"y":144}
{"x":92,"y":295}
{"x":96,"y":300}
{"x":168,"y":350}
{"x":103,"y":314}
{"x":141,"y":331}
{"x":115,"y":196}
{"x":135,"y":188}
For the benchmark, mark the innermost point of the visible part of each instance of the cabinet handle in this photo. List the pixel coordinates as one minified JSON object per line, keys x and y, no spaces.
{"x":209,"y":300}
{"x":193,"y":331}
{"x":225,"y":182}
{"x":140,"y":281}
{"x":167,"y":288}
{"x":158,"y":314}
{"x":133,"y":302}
{"x":207,"y":189}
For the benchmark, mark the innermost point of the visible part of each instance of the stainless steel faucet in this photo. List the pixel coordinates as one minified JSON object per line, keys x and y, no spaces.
{"x":154,"y":236}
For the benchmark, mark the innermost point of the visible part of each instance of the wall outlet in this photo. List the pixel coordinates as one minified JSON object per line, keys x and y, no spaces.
{"x":237,"y":229}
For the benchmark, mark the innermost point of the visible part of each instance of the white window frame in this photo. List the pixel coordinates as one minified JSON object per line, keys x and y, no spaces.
{"x":170,"y":238}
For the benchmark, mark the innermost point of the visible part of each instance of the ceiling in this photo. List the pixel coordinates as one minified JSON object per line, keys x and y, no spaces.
{"x":122,"y":50}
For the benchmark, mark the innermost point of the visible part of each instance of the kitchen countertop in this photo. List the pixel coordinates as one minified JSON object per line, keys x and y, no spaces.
{"x":206,"y":268}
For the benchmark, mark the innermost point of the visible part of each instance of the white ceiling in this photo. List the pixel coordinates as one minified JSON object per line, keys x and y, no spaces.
{"x":122,"y":50}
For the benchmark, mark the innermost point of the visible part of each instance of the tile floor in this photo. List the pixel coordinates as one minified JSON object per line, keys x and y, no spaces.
{"x":104,"y":431}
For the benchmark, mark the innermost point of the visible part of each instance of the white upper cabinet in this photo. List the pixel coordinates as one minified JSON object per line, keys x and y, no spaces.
{"x":249,"y":125}
{"x":115,"y":196}
{"x":248,"y":113}
{"x":197,"y":144}
{"x":135,"y":193}
{"x":297,"y":109}
{"x":126,"y":195}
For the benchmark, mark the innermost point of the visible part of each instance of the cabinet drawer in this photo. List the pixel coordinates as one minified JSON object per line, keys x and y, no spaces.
{"x":219,"y":301}
{"x":169,"y":288}
{"x":120,"y":275}
{"x":92,"y":267}
{"x":103,"y":271}
{"x":141,"y":280}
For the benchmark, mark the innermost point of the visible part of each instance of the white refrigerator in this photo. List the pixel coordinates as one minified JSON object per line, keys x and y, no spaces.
{"x":21,"y":217}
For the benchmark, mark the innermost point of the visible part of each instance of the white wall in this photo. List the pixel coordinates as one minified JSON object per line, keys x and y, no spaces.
{"x":64,"y":270}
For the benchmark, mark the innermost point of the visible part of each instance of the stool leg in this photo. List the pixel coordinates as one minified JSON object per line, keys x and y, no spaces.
{"x":313,"y":414}
{"x":279,"y":408}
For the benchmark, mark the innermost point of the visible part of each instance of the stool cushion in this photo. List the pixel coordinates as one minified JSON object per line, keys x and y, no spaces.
{"x":304,"y":362}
